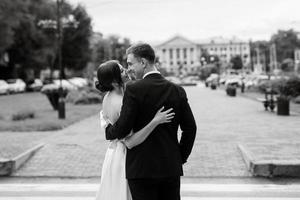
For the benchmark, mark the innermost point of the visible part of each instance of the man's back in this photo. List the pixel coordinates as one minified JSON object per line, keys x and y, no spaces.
{"x":160,"y":155}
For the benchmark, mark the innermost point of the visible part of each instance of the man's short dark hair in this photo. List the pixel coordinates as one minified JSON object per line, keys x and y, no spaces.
{"x":142,"y":50}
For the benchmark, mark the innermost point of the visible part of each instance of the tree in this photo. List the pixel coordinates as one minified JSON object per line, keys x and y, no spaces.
{"x":31,"y":46}
{"x":208,"y":58}
{"x":206,"y":70}
{"x":76,"y":46}
{"x":102,"y":51}
{"x":287,"y":65}
{"x":237,"y":62}
{"x":11,"y":12}
{"x":111,"y":48}
{"x":286,"y":42}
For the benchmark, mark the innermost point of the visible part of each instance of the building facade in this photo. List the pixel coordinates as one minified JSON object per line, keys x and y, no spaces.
{"x":225,"y":49}
{"x":179,"y":53}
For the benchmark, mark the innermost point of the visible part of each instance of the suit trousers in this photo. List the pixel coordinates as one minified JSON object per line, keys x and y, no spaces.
{"x":155,"y":188}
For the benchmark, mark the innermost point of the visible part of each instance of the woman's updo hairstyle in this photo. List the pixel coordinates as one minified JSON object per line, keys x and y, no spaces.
{"x":108,"y":73}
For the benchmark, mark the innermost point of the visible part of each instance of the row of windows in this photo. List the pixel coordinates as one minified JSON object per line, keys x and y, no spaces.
{"x":231,"y":55}
{"x":178,"y":62}
{"x":178,"y":52}
{"x":191,"y":69}
{"x":185,"y":52}
{"x":225,"y":48}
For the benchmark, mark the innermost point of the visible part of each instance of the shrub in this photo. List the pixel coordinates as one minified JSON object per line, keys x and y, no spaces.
{"x":294,"y":84}
{"x":263,"y":86}
{"x":52,"y":93}
{"x":23,"y":115}
{"x":287,"y":87}
{"x":297,"y":100}
{"x":86,"y":95}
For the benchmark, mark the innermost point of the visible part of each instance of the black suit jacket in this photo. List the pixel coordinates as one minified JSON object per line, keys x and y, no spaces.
{"x":161,"y":154}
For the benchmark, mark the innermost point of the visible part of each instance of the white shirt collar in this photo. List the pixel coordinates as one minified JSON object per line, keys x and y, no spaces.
{"x":151,"y":72}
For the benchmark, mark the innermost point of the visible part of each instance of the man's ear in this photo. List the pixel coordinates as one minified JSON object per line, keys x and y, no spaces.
{"x":144,"y":62}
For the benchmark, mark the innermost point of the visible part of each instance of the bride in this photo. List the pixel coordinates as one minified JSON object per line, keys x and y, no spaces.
{"x":113,"y":184}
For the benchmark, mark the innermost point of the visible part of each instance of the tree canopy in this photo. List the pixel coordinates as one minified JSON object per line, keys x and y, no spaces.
{"x":286,"y":42}
{"x":237,"y":62}
{"x":31,"y":45}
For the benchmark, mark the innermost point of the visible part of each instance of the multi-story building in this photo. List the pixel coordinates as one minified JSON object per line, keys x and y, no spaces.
{"x":179,"y":53}
{"x":225,"y":49}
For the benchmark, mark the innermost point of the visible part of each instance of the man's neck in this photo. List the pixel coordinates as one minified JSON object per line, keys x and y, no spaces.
{"x":150,"y":69}
{"x":151,"y":72}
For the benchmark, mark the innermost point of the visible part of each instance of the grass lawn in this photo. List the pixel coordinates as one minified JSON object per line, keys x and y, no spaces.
{"x":45,"y":117}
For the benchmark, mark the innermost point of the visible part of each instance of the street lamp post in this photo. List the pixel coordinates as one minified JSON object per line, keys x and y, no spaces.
{"x":61,"y":99}
{"x":58,"y":25}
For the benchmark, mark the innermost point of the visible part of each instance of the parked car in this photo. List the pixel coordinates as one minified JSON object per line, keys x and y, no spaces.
{"x":65,"y":84}
{"x":213,"y":78}
{"x":234,"y":80}
{"x":36,"y":85}
{"x":3,"y":87}
{"x":16,"y":85}
{"x":222,"y":80}
{"x":78,"y":81}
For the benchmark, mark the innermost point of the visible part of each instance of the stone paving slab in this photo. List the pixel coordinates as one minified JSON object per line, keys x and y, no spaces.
{"x":14,"y":143}
{"x":216,"y":159}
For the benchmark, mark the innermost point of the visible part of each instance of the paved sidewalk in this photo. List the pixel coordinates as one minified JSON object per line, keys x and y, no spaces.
{"x":223,"y":123}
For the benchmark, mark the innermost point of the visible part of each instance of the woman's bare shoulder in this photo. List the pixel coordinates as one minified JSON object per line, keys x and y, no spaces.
{"x":111,"y":101}
{"x":106,"y":102}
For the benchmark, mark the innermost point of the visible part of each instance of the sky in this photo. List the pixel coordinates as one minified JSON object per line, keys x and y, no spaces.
{"x":159,"y":20}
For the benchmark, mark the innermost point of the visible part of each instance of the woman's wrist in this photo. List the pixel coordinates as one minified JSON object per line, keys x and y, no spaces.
{"x":155,"y":122}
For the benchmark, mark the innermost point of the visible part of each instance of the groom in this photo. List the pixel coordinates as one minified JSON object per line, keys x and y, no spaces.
{"x":153,"y":168}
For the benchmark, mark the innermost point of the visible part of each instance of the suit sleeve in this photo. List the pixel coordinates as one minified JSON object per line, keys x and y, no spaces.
{"x":123,"y":126}
{"x":188,"y":126}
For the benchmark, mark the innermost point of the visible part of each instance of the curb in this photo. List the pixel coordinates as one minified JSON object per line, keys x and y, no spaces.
{"x":270,"y":168}
{"x":8,"y":166}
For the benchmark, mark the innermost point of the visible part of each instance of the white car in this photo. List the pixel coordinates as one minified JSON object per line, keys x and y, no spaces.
{"x":16,"y":85}
{"x":3,"y":87}
{"x":213,"y":78}
{"x":65,"y":84}
{"x":234,"y":81}
{"x":78,"y":81}
{"x":36,"y":85}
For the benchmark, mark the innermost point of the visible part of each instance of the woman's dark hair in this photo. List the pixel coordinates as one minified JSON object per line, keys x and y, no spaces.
{"x":107,"y":73}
